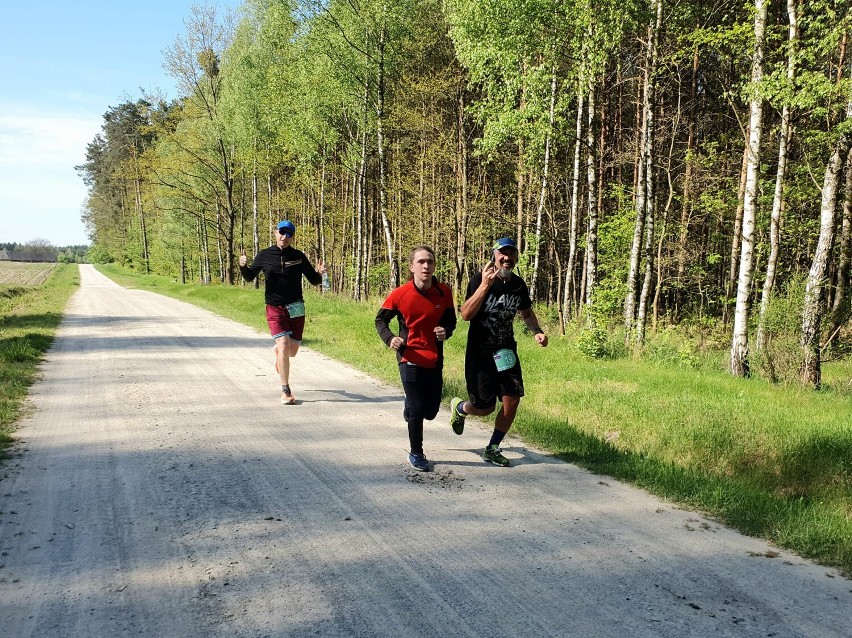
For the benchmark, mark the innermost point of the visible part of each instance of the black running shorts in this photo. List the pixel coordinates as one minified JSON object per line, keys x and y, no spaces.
{"x":486,"y":385}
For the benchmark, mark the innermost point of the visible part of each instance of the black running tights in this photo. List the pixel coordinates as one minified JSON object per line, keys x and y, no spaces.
{"x":422,"y":400}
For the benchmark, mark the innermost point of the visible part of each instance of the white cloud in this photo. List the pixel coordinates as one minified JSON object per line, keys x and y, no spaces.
{"x":44,"y":140}
{"x":40,"y":193}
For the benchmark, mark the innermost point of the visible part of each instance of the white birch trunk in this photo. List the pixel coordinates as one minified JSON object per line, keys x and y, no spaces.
{"x":815,"y":289}
{"x":814,"y":306}
{"x":393,"y":275}
{"x":570,"y":280}
{"x":591,"y":183}
{"x":784,"y":137}
{"x":739,"y":342}
{"x":840,"y":309}
{"x":648,"y":159}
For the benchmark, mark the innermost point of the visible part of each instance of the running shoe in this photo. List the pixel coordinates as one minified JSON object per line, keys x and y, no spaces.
{"x":491,"y":454}
{"x":288,"y":399}
{"x":456,"y":419}
{"x":419,"y":462}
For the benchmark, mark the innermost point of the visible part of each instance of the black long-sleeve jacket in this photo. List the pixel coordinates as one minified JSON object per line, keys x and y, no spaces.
{"x":283,"y":270}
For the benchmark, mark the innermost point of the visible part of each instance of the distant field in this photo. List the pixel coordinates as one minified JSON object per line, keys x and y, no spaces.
{"x":15,"y":273}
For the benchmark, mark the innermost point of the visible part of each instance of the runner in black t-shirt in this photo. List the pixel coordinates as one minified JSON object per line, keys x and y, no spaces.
{"x":492,"y":368}
{"x":283,"y":267}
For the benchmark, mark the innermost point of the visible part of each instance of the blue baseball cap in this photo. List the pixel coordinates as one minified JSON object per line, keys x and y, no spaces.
{"x":286,"y":226}
{"x":505,"y":242}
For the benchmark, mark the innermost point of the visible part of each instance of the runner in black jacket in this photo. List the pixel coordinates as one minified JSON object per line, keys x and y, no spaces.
{"x":283,"y":267}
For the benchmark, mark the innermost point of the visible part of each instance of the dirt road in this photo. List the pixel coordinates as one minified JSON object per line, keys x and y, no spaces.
{"x":160,"y":489}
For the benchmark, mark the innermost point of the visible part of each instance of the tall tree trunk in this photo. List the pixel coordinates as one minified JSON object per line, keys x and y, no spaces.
{"x":814,"y":306}
{"x":254,"y":205}
{"x":739,"y":342}
{"x":380,"y":147}
{"x":360,"y":214}
{"x":784,"y":136}
{"x":219,"y":254}
{"x":592,"y":232}
{"x":570,"y":278}
{"x":658,"y":288}
{"x":461,"y":191}
{"x":648,"y":157}
{"x":322,"y":204}
{"x":638,"y":224}
{"x":686,"y":198}
{"x":140,"y":209}
{"x":544,"y":176}
{"x":142,"y":226}
{"x":811,"y":372}
{"x":736,"y":238}
{"x":840,"y":309}
{"x":521,"y":182}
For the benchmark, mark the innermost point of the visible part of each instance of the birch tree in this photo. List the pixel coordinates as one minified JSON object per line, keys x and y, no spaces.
{"x":739,"y":343}
{"x":645,"y":202}
{"x":840,"y":307}
{"x":814,"y":305}
{"x":194,"y":61}
{"x":784,"y":136}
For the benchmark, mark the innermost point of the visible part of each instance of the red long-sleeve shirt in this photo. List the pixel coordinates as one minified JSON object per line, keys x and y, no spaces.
{"x":419,"y":312}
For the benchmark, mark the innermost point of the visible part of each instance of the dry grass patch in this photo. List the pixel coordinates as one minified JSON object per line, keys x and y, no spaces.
{"x":14,"y":273}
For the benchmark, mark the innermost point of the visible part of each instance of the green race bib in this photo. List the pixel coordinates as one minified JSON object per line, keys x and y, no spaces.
{"x":505,"y":359}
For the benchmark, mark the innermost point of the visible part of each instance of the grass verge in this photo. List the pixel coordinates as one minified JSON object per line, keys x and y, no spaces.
{"x":771,"y":461}
{"x":29,"y":316}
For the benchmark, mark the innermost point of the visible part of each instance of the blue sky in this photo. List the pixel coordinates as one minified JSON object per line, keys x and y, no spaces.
{"x":62,"y":65}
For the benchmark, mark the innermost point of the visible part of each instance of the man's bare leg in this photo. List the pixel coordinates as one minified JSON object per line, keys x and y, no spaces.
{"x":285,"y":348}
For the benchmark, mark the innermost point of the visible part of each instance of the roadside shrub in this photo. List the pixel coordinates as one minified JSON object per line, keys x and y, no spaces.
{"x":19,"y":350}
{"x":592,"y":342}
{"x":670,"y":347}
{"x":781,"y":356}
{"x":599,"y":343}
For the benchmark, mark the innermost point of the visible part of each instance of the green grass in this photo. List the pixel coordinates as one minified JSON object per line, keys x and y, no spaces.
{"x":772,"y":461}
{"x":29,"y":316}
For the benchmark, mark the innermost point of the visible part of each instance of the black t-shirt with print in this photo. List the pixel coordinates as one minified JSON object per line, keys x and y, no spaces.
{"x":492,"y":327}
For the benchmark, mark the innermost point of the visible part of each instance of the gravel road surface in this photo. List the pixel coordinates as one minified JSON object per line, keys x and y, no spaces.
{"x":160,"y":489}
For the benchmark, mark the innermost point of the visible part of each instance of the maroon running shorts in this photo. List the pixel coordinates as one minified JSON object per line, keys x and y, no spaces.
{"x":281,"y":324}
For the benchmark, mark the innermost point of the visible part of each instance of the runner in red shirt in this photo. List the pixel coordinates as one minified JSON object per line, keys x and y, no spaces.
{"x":426,"y":314}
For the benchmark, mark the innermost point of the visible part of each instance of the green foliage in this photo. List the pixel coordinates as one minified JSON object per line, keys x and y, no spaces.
{"x":592,"y":342}
{"x":283,"y":112}
{"x":781,"y":357}
{"x":19,"y":350}
{"x":670,"y":347}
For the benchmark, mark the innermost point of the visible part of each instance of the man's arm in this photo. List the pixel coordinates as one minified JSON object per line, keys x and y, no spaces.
{"x":473,"y":303}
{"x":313,"y":275}
{"x":383,"y":319}
{"x":531,"y":321}
{"x":248,"y":272}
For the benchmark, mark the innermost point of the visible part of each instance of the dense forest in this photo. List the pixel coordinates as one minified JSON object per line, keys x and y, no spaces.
{"x":660,"y":163}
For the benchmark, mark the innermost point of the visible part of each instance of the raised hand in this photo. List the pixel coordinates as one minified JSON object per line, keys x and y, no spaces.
{"x":488,"y":274}
{"x":243,"y":258}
